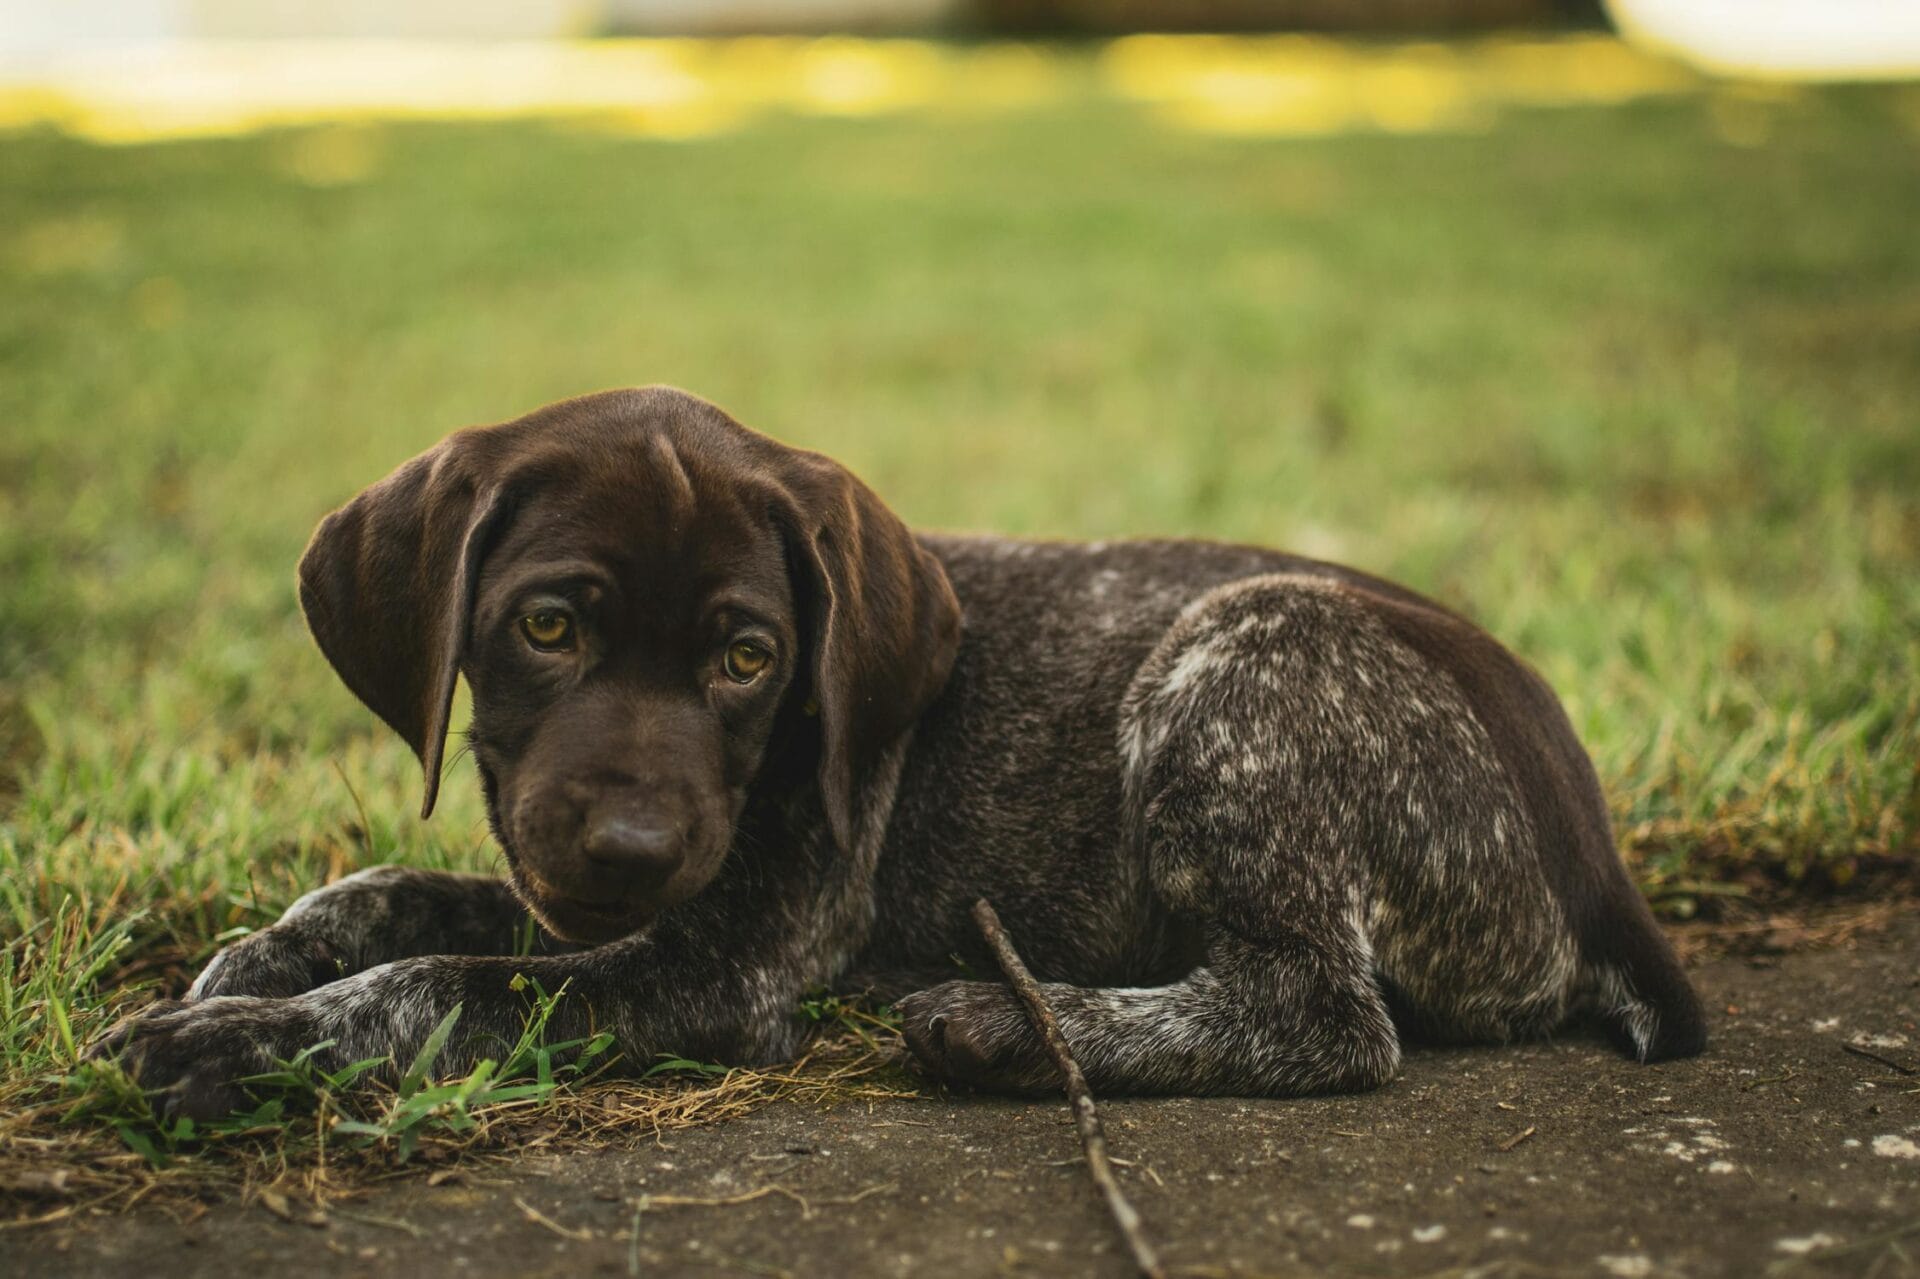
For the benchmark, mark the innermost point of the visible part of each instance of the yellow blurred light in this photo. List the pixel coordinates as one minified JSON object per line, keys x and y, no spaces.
{"x":840,"y":76}
{"x":1004,"y":77}
{"x":1572,"y":71}
{"x":1415,"y":90}
{"x":683,"y":121}
{"x":1272,"y":85}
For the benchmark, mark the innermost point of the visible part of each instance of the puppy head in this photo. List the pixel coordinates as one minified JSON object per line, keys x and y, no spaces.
{"x":657,"y":611}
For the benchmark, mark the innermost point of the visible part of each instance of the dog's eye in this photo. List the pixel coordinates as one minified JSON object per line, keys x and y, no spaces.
{"x":549,"y":630}
{"x":747,"y":661}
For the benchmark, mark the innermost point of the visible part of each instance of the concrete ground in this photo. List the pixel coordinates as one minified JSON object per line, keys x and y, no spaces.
{"x":1779,"y":1152}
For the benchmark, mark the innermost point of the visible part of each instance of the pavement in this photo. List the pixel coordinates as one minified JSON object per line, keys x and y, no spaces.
{"x":1791,"y":1148}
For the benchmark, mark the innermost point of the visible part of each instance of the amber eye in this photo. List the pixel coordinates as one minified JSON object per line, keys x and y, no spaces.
{"x":747,"y":661}
{"x":549,"y":630}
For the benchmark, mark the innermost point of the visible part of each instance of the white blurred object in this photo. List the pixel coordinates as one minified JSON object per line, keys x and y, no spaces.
{"x":53,"y":26}
{"x":46,"y":26}
{"x":1800,"y":39}
{"x":30,"y":27}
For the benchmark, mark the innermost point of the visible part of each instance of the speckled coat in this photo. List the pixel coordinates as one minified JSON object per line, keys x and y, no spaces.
{"x":1253,"y":818}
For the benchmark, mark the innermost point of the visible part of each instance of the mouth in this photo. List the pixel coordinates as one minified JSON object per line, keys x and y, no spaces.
{"x":571,"y":919}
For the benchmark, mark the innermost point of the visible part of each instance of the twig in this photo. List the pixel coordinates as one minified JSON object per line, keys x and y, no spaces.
{"x":1888,"y":1062}
{"x":1786,"y":1076}
{"x":646,"y":1202}
{"x":56,"y":1215}
{"x":841,"y":1201}
{"x":45,"y":1182}
{"x":1092,"y":1137}
{"x":1518,"y":1137}
{"x":385,"y":1223}
{"x":542,"y":1220}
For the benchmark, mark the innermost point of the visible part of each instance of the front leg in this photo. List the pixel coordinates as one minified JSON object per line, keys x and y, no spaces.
{"x":654,"y":995}
{"x":369,"y":918}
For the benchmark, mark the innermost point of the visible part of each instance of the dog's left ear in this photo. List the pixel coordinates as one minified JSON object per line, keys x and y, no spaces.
{"x":387,"y":585}
{"x":885,"y":625}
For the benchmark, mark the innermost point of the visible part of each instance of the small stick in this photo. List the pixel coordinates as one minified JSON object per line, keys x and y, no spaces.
{"x":1518,"y":1137}
{"x":385,"y":1223}
{"x":545,"y":1222}
{"x":1093,"y":1138}
{"x":1888,"y":1062}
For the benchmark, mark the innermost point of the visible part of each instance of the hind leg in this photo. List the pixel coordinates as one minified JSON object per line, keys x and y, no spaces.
{"x":1243,"y":796}
{"x":1285,"y":1003}
{"x":1327,"y":804}
{"x":1286,"y":1014}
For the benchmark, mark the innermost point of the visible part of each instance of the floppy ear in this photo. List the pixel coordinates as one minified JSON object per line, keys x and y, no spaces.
{"x":885,"y":626}
{"x":387,"y":586}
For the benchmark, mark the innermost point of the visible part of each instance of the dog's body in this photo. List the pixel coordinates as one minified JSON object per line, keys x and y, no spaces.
{"x":1252,"y":816}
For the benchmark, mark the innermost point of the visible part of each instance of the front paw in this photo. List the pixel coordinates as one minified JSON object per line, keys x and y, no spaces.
{"x":977,"y":1033}
{"x":274,"y":963}
{"x":191,"y":1057}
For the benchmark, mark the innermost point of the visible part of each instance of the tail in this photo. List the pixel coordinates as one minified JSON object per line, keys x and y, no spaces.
{"x":1642,"y":995}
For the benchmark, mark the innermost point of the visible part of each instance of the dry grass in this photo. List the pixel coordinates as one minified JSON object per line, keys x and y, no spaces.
{"x":52,"y":1168}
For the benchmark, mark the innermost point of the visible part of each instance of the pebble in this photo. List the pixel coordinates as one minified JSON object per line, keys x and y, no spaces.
{"x":1895,"y":1147}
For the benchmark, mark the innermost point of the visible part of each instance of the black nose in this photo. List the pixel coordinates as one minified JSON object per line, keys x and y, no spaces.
{"x":631,"y":854}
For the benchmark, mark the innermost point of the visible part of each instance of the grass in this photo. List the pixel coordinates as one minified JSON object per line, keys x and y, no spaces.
{"x":322,"y":1137}
{"x":1638,"y":398}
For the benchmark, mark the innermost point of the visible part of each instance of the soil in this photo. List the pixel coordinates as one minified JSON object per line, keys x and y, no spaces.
{"x":1778,"y":1151}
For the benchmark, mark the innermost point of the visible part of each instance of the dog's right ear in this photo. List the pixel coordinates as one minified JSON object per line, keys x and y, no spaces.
{"x":387,"y":585}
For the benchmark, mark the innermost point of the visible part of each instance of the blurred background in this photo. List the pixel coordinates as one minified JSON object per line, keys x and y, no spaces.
{"x":1602,"y":325}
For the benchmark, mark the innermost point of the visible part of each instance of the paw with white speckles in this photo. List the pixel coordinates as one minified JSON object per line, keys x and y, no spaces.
{"x":976,"y":1033}
{"x":192,"y":1057}
{"x":274,"y":963}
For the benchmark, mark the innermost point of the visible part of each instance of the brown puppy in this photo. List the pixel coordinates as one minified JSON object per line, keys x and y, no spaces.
{"x":742,"y":734}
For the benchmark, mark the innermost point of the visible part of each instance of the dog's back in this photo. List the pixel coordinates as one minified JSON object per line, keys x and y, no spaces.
{"x":1016,"y":789}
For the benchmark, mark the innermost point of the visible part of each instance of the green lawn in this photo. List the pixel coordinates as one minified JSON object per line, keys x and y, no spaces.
{"x":1645,"y":403}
